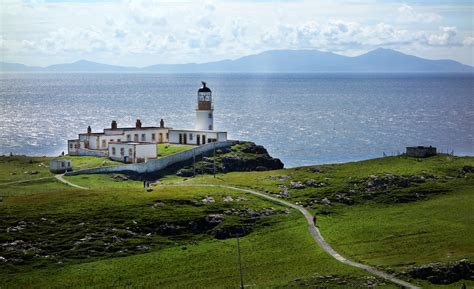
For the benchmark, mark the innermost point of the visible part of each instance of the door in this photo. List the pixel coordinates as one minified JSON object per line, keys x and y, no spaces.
{"x":203,"y":139}
{"x":180,"y":138}
{"x":185,"y":140}
{"x":198,"y":139}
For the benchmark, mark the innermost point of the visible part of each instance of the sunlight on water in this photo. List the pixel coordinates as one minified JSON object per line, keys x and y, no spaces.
{"x":301,"y":118}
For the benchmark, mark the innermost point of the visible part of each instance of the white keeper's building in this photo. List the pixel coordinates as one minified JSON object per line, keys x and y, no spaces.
{"x":138,"y":144}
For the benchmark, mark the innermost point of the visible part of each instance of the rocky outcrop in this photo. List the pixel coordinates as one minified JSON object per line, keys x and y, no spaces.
{"x":439,"y":273}
{"x":242,"y":157}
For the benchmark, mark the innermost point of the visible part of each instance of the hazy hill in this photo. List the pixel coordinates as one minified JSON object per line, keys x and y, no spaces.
{"x":379,"y":60}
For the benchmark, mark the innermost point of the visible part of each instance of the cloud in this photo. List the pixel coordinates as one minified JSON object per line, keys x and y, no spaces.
{"x":446,"y":37}
{"x":143,"y":32}
{"x":407,"y":14}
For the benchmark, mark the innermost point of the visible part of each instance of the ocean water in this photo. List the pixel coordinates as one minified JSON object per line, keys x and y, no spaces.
{"x":300,"y":118}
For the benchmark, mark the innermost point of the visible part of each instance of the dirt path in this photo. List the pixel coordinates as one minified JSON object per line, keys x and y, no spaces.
{"x":316,"y":234}
{"x":60,"y":178}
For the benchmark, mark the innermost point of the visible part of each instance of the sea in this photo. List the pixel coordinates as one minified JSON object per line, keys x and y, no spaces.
{"x":302,"y":119}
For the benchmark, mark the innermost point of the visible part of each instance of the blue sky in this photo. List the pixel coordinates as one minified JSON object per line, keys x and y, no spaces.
{"x":145,"y":32}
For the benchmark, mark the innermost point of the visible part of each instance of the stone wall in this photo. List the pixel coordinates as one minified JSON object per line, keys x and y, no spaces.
{"x":159,"y":164}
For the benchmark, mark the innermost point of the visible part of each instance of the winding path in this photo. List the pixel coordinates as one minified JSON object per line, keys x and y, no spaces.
{"x":315,"y":233}
{"x":60,"y":178}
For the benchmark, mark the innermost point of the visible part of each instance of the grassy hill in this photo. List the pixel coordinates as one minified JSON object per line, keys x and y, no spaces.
{"x":393,"y":213}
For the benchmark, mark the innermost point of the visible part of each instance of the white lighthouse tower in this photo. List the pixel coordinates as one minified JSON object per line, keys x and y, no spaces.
{"x":205,"y":109}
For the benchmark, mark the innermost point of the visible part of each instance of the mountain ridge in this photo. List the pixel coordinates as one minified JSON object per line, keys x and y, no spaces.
{"x":285,"y":61}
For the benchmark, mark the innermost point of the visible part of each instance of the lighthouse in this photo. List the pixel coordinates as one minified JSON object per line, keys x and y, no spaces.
{"x":205,"y":109}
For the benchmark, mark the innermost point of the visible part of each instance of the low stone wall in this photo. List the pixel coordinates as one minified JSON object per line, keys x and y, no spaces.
{"x":159,"y":164}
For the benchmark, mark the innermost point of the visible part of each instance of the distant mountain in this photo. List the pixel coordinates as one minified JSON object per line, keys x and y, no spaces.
{"x":88,"y":66}
{"x":379,"y":60}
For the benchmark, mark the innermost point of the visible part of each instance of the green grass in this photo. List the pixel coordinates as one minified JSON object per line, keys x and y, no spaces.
{"x":85,"y":162}
{"x":169,"y":149}
{"x":436,"y":230}
{"x":384,"y":231}
{"x":278,"y":250}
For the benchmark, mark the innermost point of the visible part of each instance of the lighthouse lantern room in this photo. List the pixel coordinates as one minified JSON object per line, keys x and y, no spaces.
{"x":205,"y":109}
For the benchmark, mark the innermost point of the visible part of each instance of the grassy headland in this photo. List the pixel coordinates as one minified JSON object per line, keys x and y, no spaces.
{"x":392,"y":213}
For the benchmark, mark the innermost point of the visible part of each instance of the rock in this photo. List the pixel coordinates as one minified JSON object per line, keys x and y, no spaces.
{"x":466,"y":170}
{"x":315,"y":170}
{"x":326,"y":201}
{"x":185,"y":172}
{"x":228,"y":199}
{"x":3,"y":260}
{"x":297,"y":185}
{"x":207,"y":200}
{"x":142,"y":248}
{"x":283,"y":193}
{"x":214,"y":219}
{"x":279,"y":178}
{"x":439,"y":273}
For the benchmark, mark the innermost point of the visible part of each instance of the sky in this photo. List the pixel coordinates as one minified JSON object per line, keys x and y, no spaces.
{"x":147,"y":32}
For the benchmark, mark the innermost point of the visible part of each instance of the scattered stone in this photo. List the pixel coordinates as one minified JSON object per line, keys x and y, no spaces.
{"x":214,"y":218}
{"x":142,"y":248}
{"x":315,"y":170}
{"x":207,"y":200}
{"x":439,"y":273}
{"x":228,"y":199}
{"x":326,"y":201}
{"x":279,"y":178}
{"x":297,"y":185}
{"x":466,"y":170}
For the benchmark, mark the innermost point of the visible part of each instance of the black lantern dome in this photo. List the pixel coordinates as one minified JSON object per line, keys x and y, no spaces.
{"x":204,"y":88}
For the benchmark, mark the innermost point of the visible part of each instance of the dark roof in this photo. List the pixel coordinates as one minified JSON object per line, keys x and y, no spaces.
{"x":204,"y":88}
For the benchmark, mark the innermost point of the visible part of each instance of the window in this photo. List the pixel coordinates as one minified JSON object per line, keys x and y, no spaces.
{"x":190,"y":136}
{"x":113,"y":151}
{"x":62,"y":165}
{"x":70,"y":146}
{"x":167,"y":135}
{"x":129,"y":137}
{"x":111,"y":140}
{"x":122,"y":152}
{"x":210,"y":115}
{"x":153,"y":136}
{"x":130,"y":152}
{"x":119,"y":140}
{"x":210,"y":127}
{"x":104,"y":143}
{"x":135,"y":137}
{"x":143,"y":137}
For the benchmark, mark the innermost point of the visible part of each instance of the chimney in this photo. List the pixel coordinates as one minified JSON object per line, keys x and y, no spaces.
{"x":162,"y":123}
{"x":89,"y":130}
{"x":138,"y":124}
{"x":114,"y":124}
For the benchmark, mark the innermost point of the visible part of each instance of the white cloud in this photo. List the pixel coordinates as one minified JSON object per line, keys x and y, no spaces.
{"x":409,"y":15}
{"x":446,"y":37}
{"x":144,"y":32}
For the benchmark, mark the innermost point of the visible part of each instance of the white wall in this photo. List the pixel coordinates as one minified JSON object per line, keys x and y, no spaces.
{"x":191,"y":136}
{"x":159,"y":164}
{"x":133,"y":152}
{"x":203,"y":121}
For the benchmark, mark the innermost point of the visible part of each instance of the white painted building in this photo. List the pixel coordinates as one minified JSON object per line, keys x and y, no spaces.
{"x":91,"y":143}
{"x":204,"y":128}
{"x":60,"y":165}
{"x":132,"y":152}
{"x":134,"y":144}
